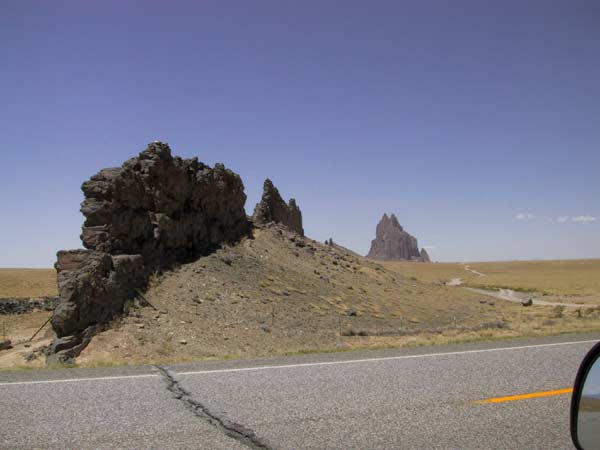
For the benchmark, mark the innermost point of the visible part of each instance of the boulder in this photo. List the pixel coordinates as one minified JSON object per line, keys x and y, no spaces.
{"x":527,"y":302}
{"x":272,"y":208}
{"x":64,"y":350}
{"x":392,"y":242}
{"x":425,"y":255}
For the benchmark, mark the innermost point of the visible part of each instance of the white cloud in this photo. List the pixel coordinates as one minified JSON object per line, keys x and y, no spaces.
{"x":525,"y":216}
{"x":584,"y":219}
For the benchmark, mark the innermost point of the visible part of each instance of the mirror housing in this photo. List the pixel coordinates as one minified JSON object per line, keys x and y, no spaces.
{"x":585,"y":403}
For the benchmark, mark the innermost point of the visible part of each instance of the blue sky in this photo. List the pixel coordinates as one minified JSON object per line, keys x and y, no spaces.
{"x":478,"y":125}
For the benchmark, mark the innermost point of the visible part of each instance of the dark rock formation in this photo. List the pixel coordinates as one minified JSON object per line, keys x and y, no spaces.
{"x":96,"y":290}
{"x":153,"y":211}
{"x":65,"y":349}
{"x":272,"y":208}
{"x":392,"y":242}
{"x":163,"y":208}
{"x":24,"y":305}
{"x":425,"y":255}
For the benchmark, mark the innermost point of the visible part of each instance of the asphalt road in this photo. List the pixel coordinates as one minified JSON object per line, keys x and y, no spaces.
{"x":425,"y":398}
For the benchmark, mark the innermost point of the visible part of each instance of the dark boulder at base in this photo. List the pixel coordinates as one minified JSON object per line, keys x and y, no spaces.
{"x":272,"y":208}
{"x":65,"y":349}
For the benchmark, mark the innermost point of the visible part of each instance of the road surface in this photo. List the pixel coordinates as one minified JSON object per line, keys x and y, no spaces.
{"x":423,"y":398}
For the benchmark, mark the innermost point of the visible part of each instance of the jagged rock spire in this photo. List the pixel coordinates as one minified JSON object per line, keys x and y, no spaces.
{"x":272,"y":208}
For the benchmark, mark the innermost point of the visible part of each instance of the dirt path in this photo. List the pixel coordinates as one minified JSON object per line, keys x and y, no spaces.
{"x":512,"y":296}
{"x":479,"y":274}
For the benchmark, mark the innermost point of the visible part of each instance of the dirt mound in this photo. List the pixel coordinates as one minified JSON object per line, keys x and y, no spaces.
{"x":278,"y":292}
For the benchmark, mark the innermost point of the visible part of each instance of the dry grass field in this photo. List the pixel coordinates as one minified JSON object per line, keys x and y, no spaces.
{"x":20,"y":283}
{"x":559,"y":278}
{"x":566,"y":277}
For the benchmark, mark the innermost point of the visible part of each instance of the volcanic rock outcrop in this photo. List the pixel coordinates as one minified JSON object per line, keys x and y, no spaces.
{"x":272,"y":208}
{"x":393,"y":243}
{"x":163,"y":208}
{"x":93,"y":292}
{"x":153,"y":211}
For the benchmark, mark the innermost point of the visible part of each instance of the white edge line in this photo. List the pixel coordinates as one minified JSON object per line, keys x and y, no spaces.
{"x":72,"y":380}
{"x":292,"y":366}
{"x":386,"y":358}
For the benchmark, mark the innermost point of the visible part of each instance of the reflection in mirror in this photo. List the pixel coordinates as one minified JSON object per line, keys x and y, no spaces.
{"x":588,"y":416}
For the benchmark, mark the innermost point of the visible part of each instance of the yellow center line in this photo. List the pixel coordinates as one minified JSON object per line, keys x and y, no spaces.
{"x":512,"y":398}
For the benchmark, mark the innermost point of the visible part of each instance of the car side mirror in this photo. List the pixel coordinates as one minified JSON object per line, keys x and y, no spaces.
{"x":585,"y":403}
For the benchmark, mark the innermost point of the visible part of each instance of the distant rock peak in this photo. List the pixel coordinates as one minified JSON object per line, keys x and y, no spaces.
{"x":393,"y":243}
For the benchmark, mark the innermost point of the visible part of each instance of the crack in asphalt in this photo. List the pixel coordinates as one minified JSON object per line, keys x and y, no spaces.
{"x":234,"y":430}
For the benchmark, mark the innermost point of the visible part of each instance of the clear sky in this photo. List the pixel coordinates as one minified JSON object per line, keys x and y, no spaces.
{"x":477,"y":124}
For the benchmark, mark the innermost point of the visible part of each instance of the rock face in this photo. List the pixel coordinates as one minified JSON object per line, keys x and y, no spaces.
{"x":272,"y":208}
{"x":95,"y":291}
{"x":392,"y":242}
{"x":163,"y":208}
{"x":153,"y":211}
{"x":425,"y":255}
